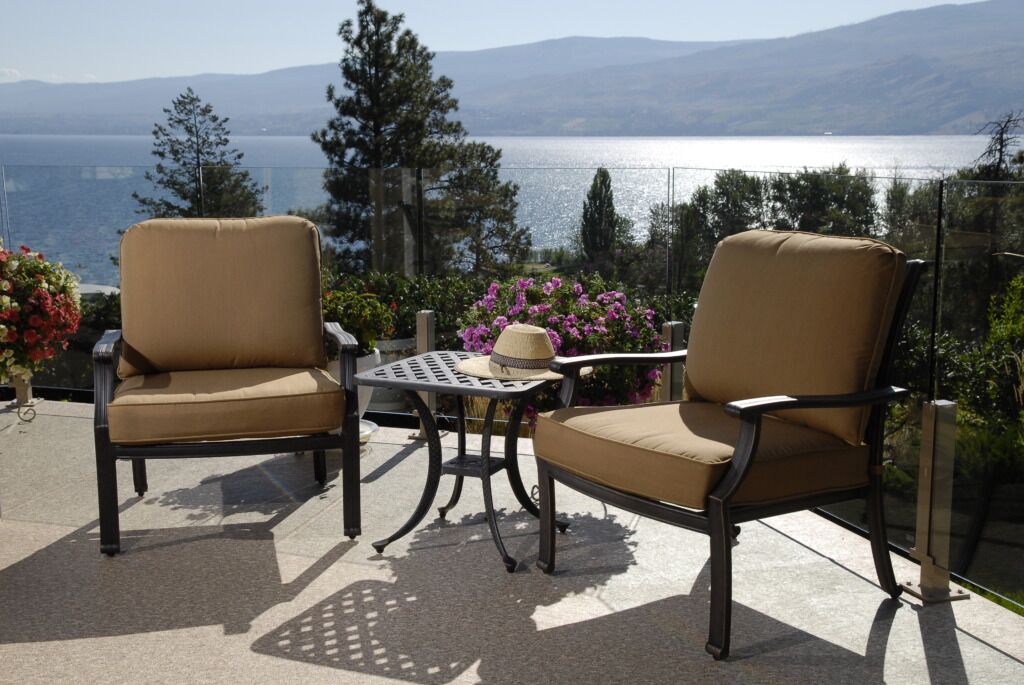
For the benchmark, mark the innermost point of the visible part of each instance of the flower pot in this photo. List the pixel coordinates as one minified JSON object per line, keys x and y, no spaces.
{"x":363,"y":363}
{"x":386,"y":399}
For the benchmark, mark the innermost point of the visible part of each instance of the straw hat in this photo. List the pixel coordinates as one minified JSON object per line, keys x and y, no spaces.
{"x":521,"y":353}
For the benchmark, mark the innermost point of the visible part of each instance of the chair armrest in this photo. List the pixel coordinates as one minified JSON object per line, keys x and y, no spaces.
{"x":570,"y":367}
{"x":750,"y":412}
{"x":105,"y":348}
{"x":745,"y":409}
{"x":347,"y":348}
{"x":567,"y":365}
{"x":105,"y":355}
{"x":343,"y":339}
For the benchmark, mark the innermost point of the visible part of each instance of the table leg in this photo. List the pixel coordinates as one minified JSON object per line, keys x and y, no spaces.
{"x":485,"y":477}
{"x":460,"y":409}
{"x":453,"y":500}
{"x":512,"y":463}
{"x":433,"y":472}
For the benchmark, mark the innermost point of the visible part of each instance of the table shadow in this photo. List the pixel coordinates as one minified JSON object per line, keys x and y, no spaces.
{"x":452,"y":609}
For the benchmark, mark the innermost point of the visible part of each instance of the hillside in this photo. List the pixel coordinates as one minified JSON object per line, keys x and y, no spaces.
{"x":938,"y":70}
{"x":944,"y":69}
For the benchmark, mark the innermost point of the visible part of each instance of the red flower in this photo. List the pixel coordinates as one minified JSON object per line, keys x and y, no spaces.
{"x":35,"y":321}
{"x":12,"y":336}
{"x":39,"y":256}
{"x":24,"y":249}
{"x":36,"y":354}
{"x":30,"y":336}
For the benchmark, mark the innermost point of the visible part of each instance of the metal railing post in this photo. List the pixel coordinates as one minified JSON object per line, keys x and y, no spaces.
{"x":934,"y":503}
{"x":426,"y":341}
{"x":672,"y":333}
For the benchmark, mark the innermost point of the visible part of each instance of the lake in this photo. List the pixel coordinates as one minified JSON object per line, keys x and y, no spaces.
{"x":68,"y":196}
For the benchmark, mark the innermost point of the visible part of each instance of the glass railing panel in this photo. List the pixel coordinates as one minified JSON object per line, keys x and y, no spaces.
{"x":981,"y":368}
{"x":73,"y":214}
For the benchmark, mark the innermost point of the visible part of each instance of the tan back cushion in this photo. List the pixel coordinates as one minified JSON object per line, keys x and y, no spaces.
{"x":220,"y":294}
{"x":785,"y":313}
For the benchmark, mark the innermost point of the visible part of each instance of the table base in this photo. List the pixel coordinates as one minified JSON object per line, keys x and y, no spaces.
{"x":469,"y":465}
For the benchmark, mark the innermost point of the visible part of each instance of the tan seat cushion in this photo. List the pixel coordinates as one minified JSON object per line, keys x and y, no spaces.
{"x":223,"y":404}
{"x":784,"y":313}
{"x":220,"y":294}
{"x":678,"y":451}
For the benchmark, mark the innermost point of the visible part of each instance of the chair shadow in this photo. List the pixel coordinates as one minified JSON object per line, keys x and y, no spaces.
{"x":452,"y":609}
{"x":168,"y":578}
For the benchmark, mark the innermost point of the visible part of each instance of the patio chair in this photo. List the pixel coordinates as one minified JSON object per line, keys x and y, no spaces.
{"x":786,"y":385}
{"x":222,"y":353}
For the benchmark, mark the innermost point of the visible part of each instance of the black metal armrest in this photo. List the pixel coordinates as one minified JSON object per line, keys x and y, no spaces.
{"x":566,"y":365}
{"x":105,"y":349}
{"x":750,"y":413}
{"x":347,"y":348}
{"x":105,"y":355}
{"x":570,"y":367}
{"x":745,"y":409}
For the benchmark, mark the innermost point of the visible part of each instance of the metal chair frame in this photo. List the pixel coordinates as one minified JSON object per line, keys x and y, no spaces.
{"x":105,"y":356}
{"x":718,"y":520}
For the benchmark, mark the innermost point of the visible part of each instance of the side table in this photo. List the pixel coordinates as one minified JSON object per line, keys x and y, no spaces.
{"x":435,"y":372}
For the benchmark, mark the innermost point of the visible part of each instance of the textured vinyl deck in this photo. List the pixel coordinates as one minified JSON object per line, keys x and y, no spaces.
{"x":235,"y":570}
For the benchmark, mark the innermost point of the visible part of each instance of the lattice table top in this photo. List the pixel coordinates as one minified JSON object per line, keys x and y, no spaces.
{"x":435,"y":372}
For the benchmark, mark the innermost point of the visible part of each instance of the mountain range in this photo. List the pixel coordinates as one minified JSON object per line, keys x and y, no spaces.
{"x":944,"y":69}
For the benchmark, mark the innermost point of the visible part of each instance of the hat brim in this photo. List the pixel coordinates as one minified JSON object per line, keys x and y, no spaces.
{"x":481,"y":367}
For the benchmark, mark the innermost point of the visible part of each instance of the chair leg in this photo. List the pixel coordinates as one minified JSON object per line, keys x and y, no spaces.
{"x":721,"y":579}
{"x":350,"y":477}
{"x":106,"y":486}
{"x":320,"y":466}
{"x":879,"y":543}
{"x":139,"y":476}
{"x":546,"y":486}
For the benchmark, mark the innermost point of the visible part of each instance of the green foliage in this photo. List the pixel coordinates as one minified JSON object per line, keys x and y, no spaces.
{"x":833,"y":202}
{"x":361,"y":314}
{"x":447,"y":296}
{"x":197,"y":173}
{"x":392,"y":114}
{"x":899,"y":483}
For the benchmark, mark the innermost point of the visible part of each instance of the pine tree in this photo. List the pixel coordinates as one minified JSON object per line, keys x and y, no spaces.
{"x":602,"y":229}
{"x":393,"y":114}
{"x":197,"y":170}
{"x":475,"y":218}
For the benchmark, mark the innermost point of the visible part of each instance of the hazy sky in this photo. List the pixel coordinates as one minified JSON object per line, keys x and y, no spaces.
{"x":114,"y":40}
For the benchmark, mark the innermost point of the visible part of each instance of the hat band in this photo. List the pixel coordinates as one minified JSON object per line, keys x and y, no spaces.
{"x":520,"y":363}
